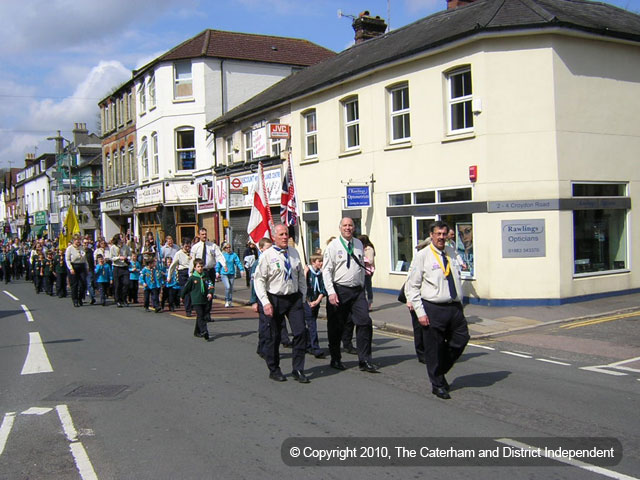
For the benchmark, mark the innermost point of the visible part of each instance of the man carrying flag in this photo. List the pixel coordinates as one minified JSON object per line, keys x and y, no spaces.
{"x":260,"y":221}
{"x":70,"y":228}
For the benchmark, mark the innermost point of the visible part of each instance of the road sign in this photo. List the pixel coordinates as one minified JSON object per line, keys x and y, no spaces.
{"x":236,"y":183}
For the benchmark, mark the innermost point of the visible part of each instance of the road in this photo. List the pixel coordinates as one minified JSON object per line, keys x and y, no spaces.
{"x":107,"y":393}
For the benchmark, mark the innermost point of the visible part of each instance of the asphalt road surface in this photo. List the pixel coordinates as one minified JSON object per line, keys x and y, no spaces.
{"x":109,"y":393}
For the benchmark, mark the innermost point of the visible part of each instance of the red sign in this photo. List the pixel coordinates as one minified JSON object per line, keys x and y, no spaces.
{"x":236,"y":183}
{"x":279,"y":130}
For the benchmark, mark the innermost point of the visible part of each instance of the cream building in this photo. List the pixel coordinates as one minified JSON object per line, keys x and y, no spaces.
{"x":511,"y":120}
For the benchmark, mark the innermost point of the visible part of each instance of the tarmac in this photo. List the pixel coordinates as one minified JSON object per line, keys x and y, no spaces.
{"x":484,"y":321}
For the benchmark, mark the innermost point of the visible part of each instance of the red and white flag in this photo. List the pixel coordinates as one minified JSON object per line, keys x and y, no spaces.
{"x":260,"y":221}
{"x":288,"y":203}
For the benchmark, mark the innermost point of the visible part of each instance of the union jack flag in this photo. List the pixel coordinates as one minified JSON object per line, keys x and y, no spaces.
{"x":288,"y":205}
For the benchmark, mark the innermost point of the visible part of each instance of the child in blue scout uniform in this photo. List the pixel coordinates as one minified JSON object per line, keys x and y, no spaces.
{"x":152,"y":281}
{"x":39,"y":273}
{"x":49,"y":276}
{"x":104,"y":277}
{"x":167,"y":288}
{"x":315,"y":294}
{"x":134,"y":276}
{"x":60,"y":272}
{"x":200,"y":289}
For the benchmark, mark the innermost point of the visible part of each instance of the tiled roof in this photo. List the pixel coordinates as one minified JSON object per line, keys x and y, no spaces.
{"x":246,"y":46}
{"x":442,"y":28}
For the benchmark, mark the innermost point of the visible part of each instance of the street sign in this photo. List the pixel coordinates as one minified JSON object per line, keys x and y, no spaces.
{"x":358,"y":196}
{"x":279,"y":130}
{"x":236,"y":182}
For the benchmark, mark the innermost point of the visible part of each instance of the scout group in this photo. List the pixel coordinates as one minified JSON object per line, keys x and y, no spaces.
{"x":282,"y":288}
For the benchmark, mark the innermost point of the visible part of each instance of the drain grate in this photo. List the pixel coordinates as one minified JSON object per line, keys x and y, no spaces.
{"x":96,"y":391}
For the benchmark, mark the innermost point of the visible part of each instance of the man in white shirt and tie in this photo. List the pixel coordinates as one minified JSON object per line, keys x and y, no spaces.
{"x":210,"y":254}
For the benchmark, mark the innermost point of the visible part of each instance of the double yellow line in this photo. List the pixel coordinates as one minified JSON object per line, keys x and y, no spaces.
{"x":595,"y":321}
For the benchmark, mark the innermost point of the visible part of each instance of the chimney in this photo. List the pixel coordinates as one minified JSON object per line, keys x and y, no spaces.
{"x":367,"y":27}
{"x":29,"y":159}
{"x":451,"y":4}
{"x":80,"y":134}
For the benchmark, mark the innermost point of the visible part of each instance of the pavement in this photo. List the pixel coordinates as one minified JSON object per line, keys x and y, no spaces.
{"x":484,"y":321}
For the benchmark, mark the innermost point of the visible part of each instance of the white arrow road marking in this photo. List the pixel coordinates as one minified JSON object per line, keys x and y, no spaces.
{"x":9,"y":294}
{"x":37,"y":360}
{"x":83,"y":464}
{"x":5,"y":428}
{"x":599,"y":369}
{"x":27,"y":313}
{"x":36,"y":411}
{"x":570,"y":461}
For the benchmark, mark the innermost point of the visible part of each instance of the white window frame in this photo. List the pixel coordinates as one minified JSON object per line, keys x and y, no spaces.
{"x":247,"y":140}
{"x":142,"y":98}
{"x":180,"y":150}
{"x":466,"y":99}
{"x":310,"y":134}
{"x":132,"y":164}
{"x":123,"y":166}
{"x":155,"y":163}
{"x":116,"y":168}
{"x":351,"y":105}
{"x":179,"y":81}
{"x":152,"y":90}
{"x":228,"y":142}
{"x":144,"y":157}
{"x":402,"y":112}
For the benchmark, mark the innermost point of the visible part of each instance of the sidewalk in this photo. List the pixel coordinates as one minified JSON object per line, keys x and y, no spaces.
{"x":389,"y":314}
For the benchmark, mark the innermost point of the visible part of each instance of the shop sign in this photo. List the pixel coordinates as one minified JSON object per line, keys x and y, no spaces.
{"x":358,"y":196}
{"x":181,"y":192}
{"x":40,"y":218}
{"x":259,"y":140}
{"x":149,"y":195}
{"x":523,"y":238}
{"x":54,"y":218}
{"x":110,"y":205}
{"x":206,"y":196}
{"x":243,"y":188}
{"x":279,"y":130}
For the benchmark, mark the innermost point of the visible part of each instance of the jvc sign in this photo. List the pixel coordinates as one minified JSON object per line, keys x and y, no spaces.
{"x":358,"y":196}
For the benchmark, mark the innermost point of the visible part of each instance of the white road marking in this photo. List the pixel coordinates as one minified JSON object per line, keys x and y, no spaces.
{"x":516,"y":354}
{"x":11,"y":295}
{"x":37,"y":360}
{"x":599,"y":369}
{"x":36,"y":411}
{"x":83,"y":464}
{"x":5,"y":428}
{"x":480,"y":346}
{"x":27,"y":313}
{"x":67,"y":423}
{"x":618,"y":365}
{"x":552,"y":361}
{"x":570,"y":461}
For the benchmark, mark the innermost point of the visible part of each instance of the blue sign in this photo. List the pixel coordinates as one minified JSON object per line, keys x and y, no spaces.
{"x":358,"y":196}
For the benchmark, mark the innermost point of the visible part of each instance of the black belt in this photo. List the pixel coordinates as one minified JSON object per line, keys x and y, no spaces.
{"x":346,"y":286}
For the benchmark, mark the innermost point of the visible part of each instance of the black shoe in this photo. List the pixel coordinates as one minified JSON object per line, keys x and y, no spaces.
{"x":197,"y":334}
{"x":75,"y":304}
{"x":104,"y":304}
{"x":93,"y":301}
{"x":206,"y":336}
{"x":158,"y":309}
{"x":260,"y":354}
{"x":421,"y":360}
{"x":172,"y":309}
{"x":368,"y":367}
{"x":446,"y":385}
{"x":337,"y":364}
{"x":319,"y":354}
{"x":300,"y":376}
{"x":440,"y":392}
{"x":188,"y":314}
{"x":80,"y":302}
{"x":277,"y":376}
{"x":351,"y":350}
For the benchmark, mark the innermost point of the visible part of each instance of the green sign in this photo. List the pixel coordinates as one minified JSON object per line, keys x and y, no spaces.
{"x":41,"y":218}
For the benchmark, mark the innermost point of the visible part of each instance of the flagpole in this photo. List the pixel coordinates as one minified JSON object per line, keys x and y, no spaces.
{"x":298,"y":206}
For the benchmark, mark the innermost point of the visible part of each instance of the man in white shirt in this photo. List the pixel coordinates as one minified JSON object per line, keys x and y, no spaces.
{"x":210,"y":254}
{"x":343,"y":274}
{"x":435,"y":291}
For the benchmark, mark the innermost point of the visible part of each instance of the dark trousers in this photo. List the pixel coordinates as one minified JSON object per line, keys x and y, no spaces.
{"x":6,"y":267}
{"x":183,"y":278}
{"x":103,"y":287}
{"x":49,"y":282}
{"x":201,"y":320}
{"x":418,"y":338}
{"x":289,"y":306}
{"x":78,"y":281}
{"x":61,"y":284}
{"x":444,"y":338}
{"x":39,"y":283}
{"x":120,"y":284}
{"x":151,"y":293}
{"x":211,"y":273}
{"x":311,"y":322}
{"x":132,"y":294}
{"x":352,"y":307}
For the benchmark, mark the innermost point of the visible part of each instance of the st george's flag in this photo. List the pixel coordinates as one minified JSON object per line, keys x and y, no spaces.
{"x":260,"y":221}
{"x":288,"y":203}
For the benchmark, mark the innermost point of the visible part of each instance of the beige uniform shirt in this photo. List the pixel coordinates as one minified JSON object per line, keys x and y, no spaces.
{"x":426,"y":279}
{"x":214,"y":255}
{"x":270,"y":275}
{"x":74,"y":255}
{"x":334,"y":268}
{"x":181,"y":260}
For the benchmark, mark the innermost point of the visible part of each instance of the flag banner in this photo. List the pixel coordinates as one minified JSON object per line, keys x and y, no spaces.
{"x":158,"y":247}
{"x":288,"y":202}
{"x":260,"y":221}
{"x":70,"y":228}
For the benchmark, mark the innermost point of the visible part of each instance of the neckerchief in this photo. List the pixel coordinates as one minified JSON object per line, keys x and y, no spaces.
{"x":197,"y":275}
{"x":349,"y":248}
{"x":287,"y":263}
{"x":446,"y":271}
{"x":315,"y":276}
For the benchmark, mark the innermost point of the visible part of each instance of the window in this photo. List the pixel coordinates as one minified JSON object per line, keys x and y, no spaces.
{"x":229,"y":147}
{"x":182,"y":80}
{"x":351,"y":124}
{"x":599,"y":235}
{"x":398,"y":199}
{"x":312,"y":227}
{"x":144,"y":158}
{"x":133,"y":173}
{"x":152,"y":91}
{"x":116,"y":168}
{"x":142,"y":98}
{"x":455,"y":195}
{"x":107,"y":170}
{"x":106,"y":125}
{"x":185,"y":149}
{"x":276,"y":147}
{"x":401,"y":244}
{"x":155,"y":165}
{"x":123,"y":166}
{"x":311,"y":133}
{"x":129,"y":106}
{"x":399,"y":108}
{"x":248,"y":146}
{"x":460,"y":111}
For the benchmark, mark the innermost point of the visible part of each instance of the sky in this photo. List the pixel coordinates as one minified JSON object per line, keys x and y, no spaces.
{"x":58,"y":58}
